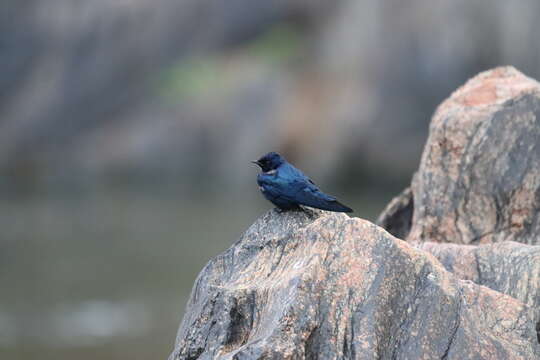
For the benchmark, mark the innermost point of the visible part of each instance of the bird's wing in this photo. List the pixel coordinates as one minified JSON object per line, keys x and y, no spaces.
{"x":300,"y":187}
{"x":297,"y":174}
{"x":309,"y":194}
{"x":290,"y":184}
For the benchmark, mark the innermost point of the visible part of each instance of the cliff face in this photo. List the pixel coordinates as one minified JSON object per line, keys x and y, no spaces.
{"x":320,"y":285}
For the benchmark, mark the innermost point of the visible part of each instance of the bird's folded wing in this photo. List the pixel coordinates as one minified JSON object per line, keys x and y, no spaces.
{"x":310,"y":195}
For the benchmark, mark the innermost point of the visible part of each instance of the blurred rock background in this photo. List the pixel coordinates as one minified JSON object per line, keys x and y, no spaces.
{"x":127,"y":126}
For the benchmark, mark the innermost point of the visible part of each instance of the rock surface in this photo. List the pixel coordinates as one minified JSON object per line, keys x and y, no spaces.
{"x":397,"y":216}
{"x":479,"y":183}
{"x":323,"y":285}
{"x":319,"y":285}
{"x":508,"y":267}
{"x":479,"y":177}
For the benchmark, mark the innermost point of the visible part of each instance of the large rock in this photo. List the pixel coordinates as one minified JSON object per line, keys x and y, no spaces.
{"x":479,"y":177}
{"x":479,"y":183}
{"x":306,"y":285}
{"x":397,"y":216}
{"x":323,"y":285}
{"x":508,"y":267}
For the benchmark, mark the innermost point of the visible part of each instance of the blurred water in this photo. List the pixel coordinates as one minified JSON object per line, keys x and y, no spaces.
{"x":106,"y":274}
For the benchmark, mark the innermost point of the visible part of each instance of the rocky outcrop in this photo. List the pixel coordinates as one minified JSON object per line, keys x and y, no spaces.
{"x":508,"y":267}
{"x":479,"y":183}
{"x":326,"y":286}
{"x":479,"y":177}
{"x":397,"y":216}
{"x":319,"y":285}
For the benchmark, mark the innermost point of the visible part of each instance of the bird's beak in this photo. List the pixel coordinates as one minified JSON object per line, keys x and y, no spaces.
{"x":256,"y":163}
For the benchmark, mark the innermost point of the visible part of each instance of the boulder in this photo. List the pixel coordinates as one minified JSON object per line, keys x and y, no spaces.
{"x":397,"y":216}
{"x":464,"y":285}
{"x":479,"y":183}
{"x":320,"y":285}
{"x":479,"y":176}
{"x":508,"y":267}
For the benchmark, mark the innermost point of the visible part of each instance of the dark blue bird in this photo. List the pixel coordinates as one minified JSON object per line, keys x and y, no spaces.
{"x":287,"y":187}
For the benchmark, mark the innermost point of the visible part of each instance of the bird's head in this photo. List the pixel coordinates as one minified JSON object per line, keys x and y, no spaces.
{"x":270,"y":161}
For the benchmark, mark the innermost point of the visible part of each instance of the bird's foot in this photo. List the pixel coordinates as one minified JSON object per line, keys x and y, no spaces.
{"x":309,"y":212}
{"x":280,"y":210}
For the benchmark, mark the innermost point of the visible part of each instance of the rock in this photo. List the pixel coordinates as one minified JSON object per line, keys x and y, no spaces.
{"x":396,"y":218}
{"x":479,"y":177}
{"x":508,"y":267}
{"x":322,"y":285}
{"x":479,"y":182}
{"x":307,"y":285}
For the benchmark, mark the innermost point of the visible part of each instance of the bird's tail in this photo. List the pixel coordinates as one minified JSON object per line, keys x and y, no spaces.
{"x":335,"y":206}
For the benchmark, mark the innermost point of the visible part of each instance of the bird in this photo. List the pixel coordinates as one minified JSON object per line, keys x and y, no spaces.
{"x":287,"y":187}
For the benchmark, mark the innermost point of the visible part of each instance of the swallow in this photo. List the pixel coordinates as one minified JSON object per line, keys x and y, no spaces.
{"x":287,"y":187}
